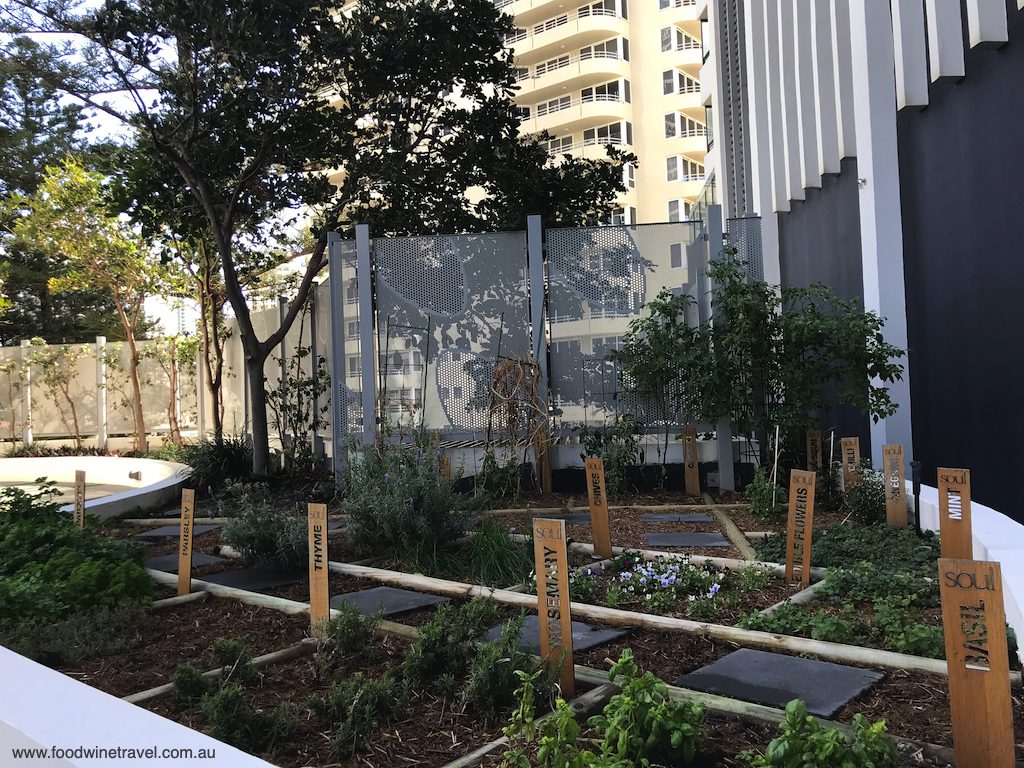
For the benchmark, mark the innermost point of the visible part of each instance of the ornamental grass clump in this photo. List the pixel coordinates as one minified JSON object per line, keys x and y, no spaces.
{"x":399,"y":502}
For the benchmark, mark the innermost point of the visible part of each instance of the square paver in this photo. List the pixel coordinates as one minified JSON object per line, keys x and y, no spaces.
{"x":686,"y":540}
{"x":174,"y":531}
{"x":693,"y":517}
{"x":336,"y":525}
{"x":169,"y":563}
{"x":256,"y":578}
{"x":584,"y":636}
{"x":774,"y":680}
{"x":387,"y":600}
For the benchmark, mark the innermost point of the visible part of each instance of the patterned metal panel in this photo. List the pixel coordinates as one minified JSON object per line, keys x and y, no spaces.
{"x":448,"y":307}
{"x":744,"y":234}
{"x":599,"y":280}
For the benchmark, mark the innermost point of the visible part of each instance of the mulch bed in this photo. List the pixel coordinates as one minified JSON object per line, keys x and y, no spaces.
{"x":433,"y":732}
{"x":185,"y":633}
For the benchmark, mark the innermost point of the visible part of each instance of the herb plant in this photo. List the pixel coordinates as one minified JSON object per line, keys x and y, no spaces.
{"x":262,"y":531}
{"x":618,"y":445}
{"x":865,"y":499}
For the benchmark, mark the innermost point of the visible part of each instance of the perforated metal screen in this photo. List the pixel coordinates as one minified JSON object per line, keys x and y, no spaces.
{"x":448,"y":308}
{"x":599,"y":280}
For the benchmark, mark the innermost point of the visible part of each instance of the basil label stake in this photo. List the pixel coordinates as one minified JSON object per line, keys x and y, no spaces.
{"x":188,"y":516}
{"x":974,"y":625}
{"x":799,"y":531}
{"x":691,"y":465}
{"x":555,"y":621}
{"x":955,"y":534}
{"x":319,"y":597}
{"x":895,"y":477}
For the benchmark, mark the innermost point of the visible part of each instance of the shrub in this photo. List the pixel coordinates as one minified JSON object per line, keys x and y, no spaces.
{"x":348,"y":635}
{"x":445,"y":642}
{"x":765,"y":497}
{"x":496,"y":482}
{"x":618,"y":445}
{"x":828,"y":497}
{"x":359,"y":705}
{"x":233,"y":655}
{"x":190,"y":686}
{"x":804,"y":741}
{"x":495,"y":559}
{"x":493,"y":672}
{"x":218,"y":461}
{"x":263,"y":532}
{"x":865,"y":499}
{"x":50,"y":569}
{"x":397,"y":500}
{"x":232,"y":717}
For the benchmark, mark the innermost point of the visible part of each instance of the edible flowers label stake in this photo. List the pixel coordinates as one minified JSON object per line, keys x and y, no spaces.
{"x":974,"y":624}
{"x":555,"y":621}
{"x":188,"y":516}
{"x":801,"y":526}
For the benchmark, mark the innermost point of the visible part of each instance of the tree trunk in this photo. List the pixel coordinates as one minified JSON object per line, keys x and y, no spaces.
{"x":172,"y":403}
{"x":141,"y":439}
{"x":254,"y":362}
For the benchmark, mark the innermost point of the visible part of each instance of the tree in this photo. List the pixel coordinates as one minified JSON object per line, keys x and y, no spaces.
{"x":37,"y":129}
{"x":69,"y":216}
{"x":253,"y":104}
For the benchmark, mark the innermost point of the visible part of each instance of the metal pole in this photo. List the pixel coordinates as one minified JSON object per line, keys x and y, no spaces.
{"x":339,"y":387}
{"x":314,"y":370}
{"x":101,"y":393}
{"x":915,"y":475}
{"x":716,"y":244}
{"x":535,"y":259}
{"x":367,"y":347}
{"x":26,"y":400}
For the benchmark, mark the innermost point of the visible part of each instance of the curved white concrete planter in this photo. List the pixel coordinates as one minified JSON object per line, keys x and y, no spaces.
{"x":155,"y":483}
{"x":996,"y":538}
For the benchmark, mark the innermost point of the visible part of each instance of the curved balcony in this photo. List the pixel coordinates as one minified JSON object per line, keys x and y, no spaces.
{"x":591,"y":150}
{"x":688,"y":101}
{"x":693,"y":145}
{"x":680,"y":12}
{"x":579,"y":114}
{"x":689,"y":187}
{"x":550,"y":79}
{"x":530,"y":12}
{"x":564,"y":33}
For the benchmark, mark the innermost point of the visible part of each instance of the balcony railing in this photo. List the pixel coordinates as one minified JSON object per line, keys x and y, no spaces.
{"x":499,"y":4}
{"x":602,"y":142}
{"x":558,"y":21}
{"x":689,"y":44}
{"x":678,"y":4}
{"x":558,"y":106}
{"x":565,"y":61}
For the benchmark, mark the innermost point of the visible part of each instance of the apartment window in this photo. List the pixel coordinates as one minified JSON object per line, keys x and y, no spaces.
{"x":609,"y":49}
{"x":709,"y":115}
{"x":618,"y":217}
{"x":676,"y":253}
{"x":671,"y":125}
{"x":673,"y":210}
{"x":677,"y":124}
{"x":550,"y":24}
{"x":523,"y":112}
{"x":352,"y":329}
{"x":603,"y":92}
{"x":553,"y":64}
{"x":663,"y":4}
{"x":683,"y":169}
{"x":668,"y":81}
{"x":555,"y":105}
{"x":672,"y":80}
{"x":632,"y":214}
{"x":600,"y":8}
{"x":354,"y":366}
{"x":522,"y":73}
{"x":629,"y":175}
{"x":515,"y":36}
{"x":666,"y":39}
{"x":554,"y":146}
{"x":672,"y":169}
{"x":629,"y":133}
{"x":606,"y":134}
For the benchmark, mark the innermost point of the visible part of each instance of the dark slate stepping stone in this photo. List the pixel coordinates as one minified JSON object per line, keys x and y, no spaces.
{"x":694,"y":517}
{"x":174,"y":531}
{"x":584,"y":636}
{"x":687,"y":540}
{"x":389,"y":600}
{"x":774,"y":680}
{"x":256,"y":578}
{"x":336,"y":526}
{"x":169,"y":563}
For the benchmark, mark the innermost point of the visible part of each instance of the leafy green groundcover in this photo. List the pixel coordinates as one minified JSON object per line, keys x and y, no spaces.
{"x":50,"y":569}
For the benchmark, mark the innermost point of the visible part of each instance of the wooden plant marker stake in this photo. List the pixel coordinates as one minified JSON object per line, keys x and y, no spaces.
{"x":319,"y":595}
{"x":691,"y":475}
{"x":599,"y":525}
{"x":813,"y":450}
{"x":446,"y":467}
{"x":895,"y":471}
{"x":800,"y":530}
{"x":955,"y":533}
{"x":851,"y":460}
{"x":974,"y":624}
{"x":552,"y":567}
{"x":80,"y":498}
{"x":188,"y":516}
